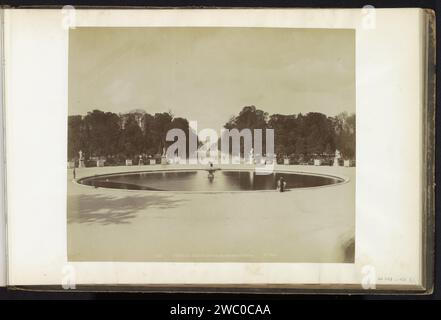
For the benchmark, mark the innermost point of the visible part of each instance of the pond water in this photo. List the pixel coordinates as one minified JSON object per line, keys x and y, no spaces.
{"x":200,"y":181}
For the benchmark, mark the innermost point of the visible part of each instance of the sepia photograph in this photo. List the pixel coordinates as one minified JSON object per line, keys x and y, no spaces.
{"x":211,"y":144}
{"x":203,"y":151}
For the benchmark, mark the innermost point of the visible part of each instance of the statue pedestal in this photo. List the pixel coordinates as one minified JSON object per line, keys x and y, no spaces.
{"x":286,"y":161}
{"x":81,"y":164}
{"x":347,"y":163}
{"x":163,"y":160}
{"x":152,"y":161}
{"x":336,"y":162}
{"x":317,"y":162}
{"x":128,"y":162}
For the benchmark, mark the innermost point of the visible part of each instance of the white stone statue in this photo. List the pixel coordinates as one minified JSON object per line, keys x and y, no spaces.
{"x":81,"y":160}
{"x":251,"y":156}
{"x":337,"y":158}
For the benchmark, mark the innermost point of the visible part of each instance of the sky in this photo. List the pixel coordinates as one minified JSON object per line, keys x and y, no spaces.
{"x":209,"y":74}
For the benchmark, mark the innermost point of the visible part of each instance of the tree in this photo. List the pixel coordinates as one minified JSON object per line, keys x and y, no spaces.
{"x":249,"y":118}
{"x":161,"y":124}
{"x":101,"y":130}
{"x":181,"y":123}
{"x":284,"y":133}
{"x":344,"y":127}
{"x":132,"y":139}
{"x":150,"y":139}
{"x":319,"y":133}
{"x":74,"y":136}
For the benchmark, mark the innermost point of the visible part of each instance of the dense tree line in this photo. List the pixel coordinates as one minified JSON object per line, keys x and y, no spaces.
{"x":312,"y":134}
{"x":112,"y":136}
{"x":120,"y":136}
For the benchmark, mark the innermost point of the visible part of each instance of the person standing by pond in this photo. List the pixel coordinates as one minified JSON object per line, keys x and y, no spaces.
{"x":74,"y":173}
{"x":281,"y":184}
